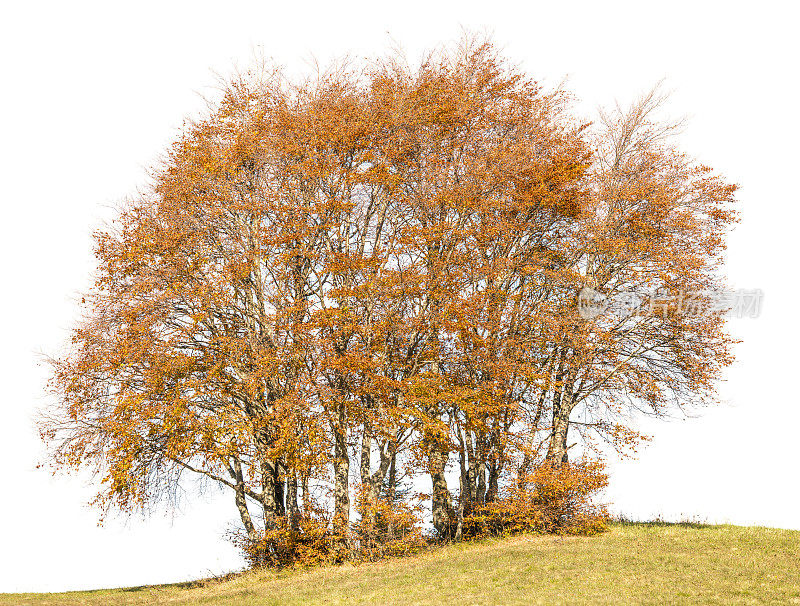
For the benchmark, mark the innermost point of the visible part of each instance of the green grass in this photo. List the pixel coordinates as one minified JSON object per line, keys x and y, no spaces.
{"x":651,"y":563}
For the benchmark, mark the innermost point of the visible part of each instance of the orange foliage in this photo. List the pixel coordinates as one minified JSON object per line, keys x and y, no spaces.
{"x":378,"y":271}
{"x":550,"y":499}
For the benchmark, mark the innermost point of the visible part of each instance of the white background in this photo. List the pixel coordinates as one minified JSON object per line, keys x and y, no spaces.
{"x":92,"y":94}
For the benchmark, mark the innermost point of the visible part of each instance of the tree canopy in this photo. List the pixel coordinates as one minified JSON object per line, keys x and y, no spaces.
{"x":336,"y":285}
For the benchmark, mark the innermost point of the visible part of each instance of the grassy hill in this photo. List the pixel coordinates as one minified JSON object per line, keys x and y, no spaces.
{"x":633,"y":563}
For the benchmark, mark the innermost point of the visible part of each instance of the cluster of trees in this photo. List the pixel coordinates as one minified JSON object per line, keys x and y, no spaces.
{"x":336,"y":285}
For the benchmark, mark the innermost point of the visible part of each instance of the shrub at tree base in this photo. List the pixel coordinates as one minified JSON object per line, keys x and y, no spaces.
{"x":549,"y":499}
{"x":387,"y":528}
{"x":392,"y":530}
{"x":307,"y":542}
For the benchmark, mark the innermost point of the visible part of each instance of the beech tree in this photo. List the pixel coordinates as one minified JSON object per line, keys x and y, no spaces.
{"x":650,"y":238}
{"x":374,"y":274}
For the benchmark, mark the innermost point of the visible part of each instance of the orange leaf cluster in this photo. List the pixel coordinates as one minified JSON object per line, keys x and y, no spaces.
{"x":375,"y":274}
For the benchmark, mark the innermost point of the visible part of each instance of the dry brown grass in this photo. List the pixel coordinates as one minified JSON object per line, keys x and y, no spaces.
{"x":632,"y":564}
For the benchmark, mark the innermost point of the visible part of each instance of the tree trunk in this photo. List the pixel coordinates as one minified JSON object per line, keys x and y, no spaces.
{"x":472,"y":470}
{"x":494,"y":476}
{"x":391,"y":487}
{"x":391,"y":484}
{"x":557,"y":449}
{"x":480,"y":495}
{"x":306,"y":494}
{"x":291,"y":500}
{"x":368,"y":496}
{"x":341,"y":490}
{"x":366,"y":451}
{"x":441,"y":502}
{"x":268,"y":488}
{"x":280,"y":493}
{"x":464,"y":492}
{"x":241,"y":501}
{"x":562,"y":407}
{"x":244,"y":514}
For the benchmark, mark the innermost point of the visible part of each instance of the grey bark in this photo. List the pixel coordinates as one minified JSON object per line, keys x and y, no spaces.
{"x":341,"y":475}
{"x":441,"y":501}
{"x":293,"y":511}
{"x":241,"y":500}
